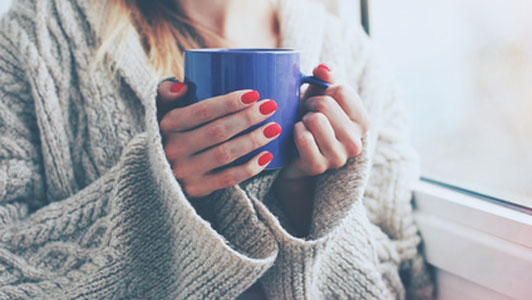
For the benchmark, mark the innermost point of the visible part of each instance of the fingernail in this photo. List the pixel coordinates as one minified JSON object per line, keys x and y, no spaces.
{"x":250,"y":97}
{"x":266,"y":158}
{"x":272,"y":130}
{"x":324,"y":66}
{"x":268,"y":107}
{"x":177,"y":87}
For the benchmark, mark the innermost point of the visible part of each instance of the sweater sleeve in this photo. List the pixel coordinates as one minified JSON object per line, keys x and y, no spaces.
{"x":363,"y":243}
{"x":132,"y":233}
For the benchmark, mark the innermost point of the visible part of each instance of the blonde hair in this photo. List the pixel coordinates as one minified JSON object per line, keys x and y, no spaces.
{"x":165,"y":31}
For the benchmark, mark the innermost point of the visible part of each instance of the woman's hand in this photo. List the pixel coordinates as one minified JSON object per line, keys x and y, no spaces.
{"x":331,"y":130}
{"x":330,"y":133}
{"x":197,"y":138}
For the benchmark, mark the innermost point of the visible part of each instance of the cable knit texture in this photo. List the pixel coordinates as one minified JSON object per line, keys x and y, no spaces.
{"x":89,"y":208}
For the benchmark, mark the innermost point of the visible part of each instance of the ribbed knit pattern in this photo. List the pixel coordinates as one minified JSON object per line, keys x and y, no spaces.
{"x":89,"y":208}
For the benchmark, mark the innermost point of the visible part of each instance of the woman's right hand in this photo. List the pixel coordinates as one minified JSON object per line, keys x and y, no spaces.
{"x":198,"y":137}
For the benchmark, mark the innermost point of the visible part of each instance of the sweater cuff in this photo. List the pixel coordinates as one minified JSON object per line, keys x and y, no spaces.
{"x":349,"y":254}
{"x":337,"y":190}
{"x":338,"y":215}
{"x":222,"y":255}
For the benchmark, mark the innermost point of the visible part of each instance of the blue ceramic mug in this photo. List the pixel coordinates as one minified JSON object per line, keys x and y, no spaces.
{"x":274,"y":73}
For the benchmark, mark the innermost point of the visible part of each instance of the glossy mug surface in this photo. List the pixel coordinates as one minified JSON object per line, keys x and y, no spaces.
{"x":274,"y":73}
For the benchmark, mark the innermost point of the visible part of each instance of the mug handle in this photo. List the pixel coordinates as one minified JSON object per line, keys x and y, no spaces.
{"x":315,"y":81}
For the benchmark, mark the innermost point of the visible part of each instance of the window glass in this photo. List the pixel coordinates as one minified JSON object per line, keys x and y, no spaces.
{"x":4,"y":5}
{"x":465,"y":67}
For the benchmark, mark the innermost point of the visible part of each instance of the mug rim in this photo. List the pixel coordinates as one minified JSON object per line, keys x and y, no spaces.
{"x":243,"y":50}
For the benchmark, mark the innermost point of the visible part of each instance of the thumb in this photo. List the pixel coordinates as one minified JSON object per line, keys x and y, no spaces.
{"x":322,"y":72}
{"x":170,"y":91}
{"x":169,"y":96}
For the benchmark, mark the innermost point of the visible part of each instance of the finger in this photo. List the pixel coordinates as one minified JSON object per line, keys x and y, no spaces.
{"x":346,"y":130}
{"x":169,"y":91}
{"x":351,"y":104}
{"x":322,"y":72}
{"x":230,"y":176}
{"x":225,"y":128}
{"x":199,"y":113}
{"x":325,"y":138}
{"x":325,"y":73}
{"x":310,"y":157}
{"x":228,"y":152}
{"x":170,"y":95}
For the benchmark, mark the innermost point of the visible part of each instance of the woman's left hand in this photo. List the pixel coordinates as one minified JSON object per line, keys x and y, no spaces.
{"x":331,"y":131}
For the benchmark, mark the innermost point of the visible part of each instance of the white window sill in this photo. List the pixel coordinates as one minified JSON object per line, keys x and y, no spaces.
{"x":481,"y":250}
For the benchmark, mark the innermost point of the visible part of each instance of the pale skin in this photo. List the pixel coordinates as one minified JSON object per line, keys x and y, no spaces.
{"x":199,"y":138}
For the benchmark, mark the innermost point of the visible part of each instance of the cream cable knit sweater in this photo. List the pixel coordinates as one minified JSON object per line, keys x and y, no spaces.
{"x":89,"y":208}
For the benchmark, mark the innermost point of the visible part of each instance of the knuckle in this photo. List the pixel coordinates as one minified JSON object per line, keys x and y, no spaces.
{"x":304,"y":139}
{"x":317,"y":119}
{"x":316,"y":169}
{"x":222,"y":155}
{"x":321,"y":104}
{"x":228,"y":179}
{"x":216,"y":133}
{"x":338,"y":161}
{"x":171,"y":151}
{"x":320,"y":117}
{"x":166,"y":123}
{"x":299,"y":127}
{"x":202,"y":111}
{"x":352,"y":147}
{"x":329,"y":100}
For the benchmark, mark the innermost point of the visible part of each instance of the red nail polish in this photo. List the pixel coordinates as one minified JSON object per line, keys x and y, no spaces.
{"x":266,"y":158}
{"x":178,"y":86}
{"x":272,"y":130}
{"x":250,"y":97}
{"x":324,"y":66}
{"x":268,"y":107}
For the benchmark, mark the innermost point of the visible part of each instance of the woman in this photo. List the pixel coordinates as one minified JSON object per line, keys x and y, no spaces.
{"x":95,"y":206}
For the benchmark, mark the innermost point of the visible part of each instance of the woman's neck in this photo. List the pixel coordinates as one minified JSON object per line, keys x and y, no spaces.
{"x":242,"y":22}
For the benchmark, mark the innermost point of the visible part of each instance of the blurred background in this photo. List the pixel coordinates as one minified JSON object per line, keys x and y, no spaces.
{"x":465,"y":67}
{"x":4,"y":5}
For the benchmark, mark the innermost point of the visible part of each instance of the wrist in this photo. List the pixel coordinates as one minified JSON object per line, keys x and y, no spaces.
{"x":292,"y":174}
{"x":296,"y":197}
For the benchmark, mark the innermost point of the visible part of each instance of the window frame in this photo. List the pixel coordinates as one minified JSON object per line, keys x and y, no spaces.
{"x":478,"y":247}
